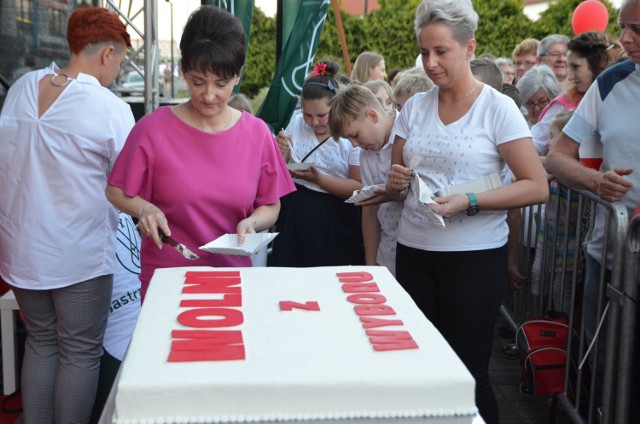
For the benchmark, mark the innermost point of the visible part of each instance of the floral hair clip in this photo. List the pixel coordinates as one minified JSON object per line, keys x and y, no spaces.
{"x":320,"y":69}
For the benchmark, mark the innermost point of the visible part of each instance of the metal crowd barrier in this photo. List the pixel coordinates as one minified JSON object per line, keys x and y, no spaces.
{"x":598,"y":378}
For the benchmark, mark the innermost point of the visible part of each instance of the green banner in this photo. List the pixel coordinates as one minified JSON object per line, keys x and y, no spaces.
{"x":290,"y":10}
{"x":295,"y":61}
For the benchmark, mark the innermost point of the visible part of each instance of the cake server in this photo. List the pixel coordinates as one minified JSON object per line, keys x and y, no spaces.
{"x":184,"y":250}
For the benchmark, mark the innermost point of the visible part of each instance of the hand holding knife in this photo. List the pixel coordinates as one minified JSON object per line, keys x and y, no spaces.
{"x":149,"y":218}
{"x":184,"y":250}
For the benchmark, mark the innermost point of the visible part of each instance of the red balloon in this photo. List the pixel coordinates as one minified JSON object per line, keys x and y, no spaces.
{"x":590,"y":15}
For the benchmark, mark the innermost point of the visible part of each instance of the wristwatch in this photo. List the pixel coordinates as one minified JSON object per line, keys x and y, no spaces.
{"x":473,"y":204}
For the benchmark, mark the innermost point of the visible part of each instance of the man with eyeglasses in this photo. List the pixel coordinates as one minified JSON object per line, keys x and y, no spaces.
{"x":552,"y":51}
{"x":609,"y":111}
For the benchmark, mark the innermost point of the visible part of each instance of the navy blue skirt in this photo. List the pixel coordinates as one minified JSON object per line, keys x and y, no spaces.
{"x":317,"y":229}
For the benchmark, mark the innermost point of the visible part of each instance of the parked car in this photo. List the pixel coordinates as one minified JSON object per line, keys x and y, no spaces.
{"x":132,"y":84}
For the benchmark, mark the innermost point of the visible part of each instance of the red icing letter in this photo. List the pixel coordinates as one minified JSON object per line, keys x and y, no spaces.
{"x":212,"y":282}
{"x":195,"y":275}
{"x":220,"y":353}
{"x":371,"y":322}
{"x":288,"y":305}
{"x":219,"y":336}
{"x":228,"y":299}
{"x":367,"y":299}
{"x":367,"y":310}
{"x":196,"y":317}
{"x":354,"y":277}
{"x":391,"y":340}
{"x":360,"y":288}
{"x":203,"y":345}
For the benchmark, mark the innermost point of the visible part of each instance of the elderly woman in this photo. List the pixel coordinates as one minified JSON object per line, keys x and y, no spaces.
{"x":552,"y":51}
{"x":537,"y":88}
{"x":58,"y":238}
{"x":369,"y":66}
{"x":506,"y":67}
{"x":459,"y":131}
{"x":201,"y":169}
{"x":524,"y":57}
{"x":590,"y":53}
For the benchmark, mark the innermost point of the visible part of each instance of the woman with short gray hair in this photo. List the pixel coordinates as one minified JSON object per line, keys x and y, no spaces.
{"x":537,"y":88}
{"x":459,"y":131}
{"x":459,"y":15}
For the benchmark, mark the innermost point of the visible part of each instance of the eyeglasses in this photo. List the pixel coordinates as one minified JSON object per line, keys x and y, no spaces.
{"x":526,"y":64}
{"x":539,"y":104}
{"x":509,"y":74}
{"x":633,"y":26}
{"x":556,"y":55}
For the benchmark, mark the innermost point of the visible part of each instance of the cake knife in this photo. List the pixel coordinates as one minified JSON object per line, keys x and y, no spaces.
{"x":184,"y":250}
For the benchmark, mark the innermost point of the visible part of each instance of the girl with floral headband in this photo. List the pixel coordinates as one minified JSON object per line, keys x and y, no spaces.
{"x":316,"y":227}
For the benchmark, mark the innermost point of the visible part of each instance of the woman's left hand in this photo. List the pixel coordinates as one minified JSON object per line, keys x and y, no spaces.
{"x":450,"y":205}
{"x":381,"y":197}
{"x":312,"y":175}
{"x":246,"y":226}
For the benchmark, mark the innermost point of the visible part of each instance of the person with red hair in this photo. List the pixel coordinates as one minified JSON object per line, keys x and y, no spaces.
{"x":61,"y":130}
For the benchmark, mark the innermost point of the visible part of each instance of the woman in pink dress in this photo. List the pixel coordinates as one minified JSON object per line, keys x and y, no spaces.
{"x":201,"y":169}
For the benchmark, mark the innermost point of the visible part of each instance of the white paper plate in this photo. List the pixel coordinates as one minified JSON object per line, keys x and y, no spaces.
{"x":300,"y":166}
{"x":363,"y":194}
{"x":227,"y":244}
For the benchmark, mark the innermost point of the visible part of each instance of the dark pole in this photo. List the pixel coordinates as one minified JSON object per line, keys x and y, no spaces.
{"x":279,"y":29}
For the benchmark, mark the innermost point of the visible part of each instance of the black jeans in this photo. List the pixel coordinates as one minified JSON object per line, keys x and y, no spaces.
{"x":460,"y":293}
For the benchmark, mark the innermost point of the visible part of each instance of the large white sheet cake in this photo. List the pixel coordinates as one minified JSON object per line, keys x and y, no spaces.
{"x":287,"y":344}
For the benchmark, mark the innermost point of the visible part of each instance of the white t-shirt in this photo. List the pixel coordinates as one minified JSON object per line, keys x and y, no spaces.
{"x":332,"y":158}
{"x":125,"y":298}
{"x":540,"y":130}
{"x":452,"y":154}
{"x":609,"y":112}
{"x":56,"y":226}
{"x":374,"y":169}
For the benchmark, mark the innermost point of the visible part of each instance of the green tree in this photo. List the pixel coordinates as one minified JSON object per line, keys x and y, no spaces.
{"x":390,"y":31}
{"x":502,"y":25}
{"x":329,"y":46}
{"x":261,"y":56}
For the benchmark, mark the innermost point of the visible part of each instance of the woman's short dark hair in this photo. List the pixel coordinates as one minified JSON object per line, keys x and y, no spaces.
{"x":213,"y":41}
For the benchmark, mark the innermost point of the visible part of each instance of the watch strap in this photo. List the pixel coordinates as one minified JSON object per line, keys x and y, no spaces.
{"x":473,"y":204}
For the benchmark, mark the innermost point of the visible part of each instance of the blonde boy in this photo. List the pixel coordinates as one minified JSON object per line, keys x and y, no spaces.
{"x":357,"y":115}
{"x":408,"y":84}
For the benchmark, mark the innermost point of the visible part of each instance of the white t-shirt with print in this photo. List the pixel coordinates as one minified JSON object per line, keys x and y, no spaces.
{"x":608,"y":115}
{"x":374,"y":169}
{"x":332,"y":158}
{"x":125,"y":298}
{"x":453,"y":154}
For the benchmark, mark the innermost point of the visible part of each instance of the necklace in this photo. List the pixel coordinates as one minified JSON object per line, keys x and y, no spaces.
{"x":60,"y":74}
{"x":199,"y":124}
{"x":475,"y":85}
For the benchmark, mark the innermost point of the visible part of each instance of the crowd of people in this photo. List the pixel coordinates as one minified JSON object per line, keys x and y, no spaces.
{"x":208,"y":167}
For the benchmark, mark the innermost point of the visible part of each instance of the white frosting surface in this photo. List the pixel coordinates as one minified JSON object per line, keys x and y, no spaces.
{"x":300,"y":365}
